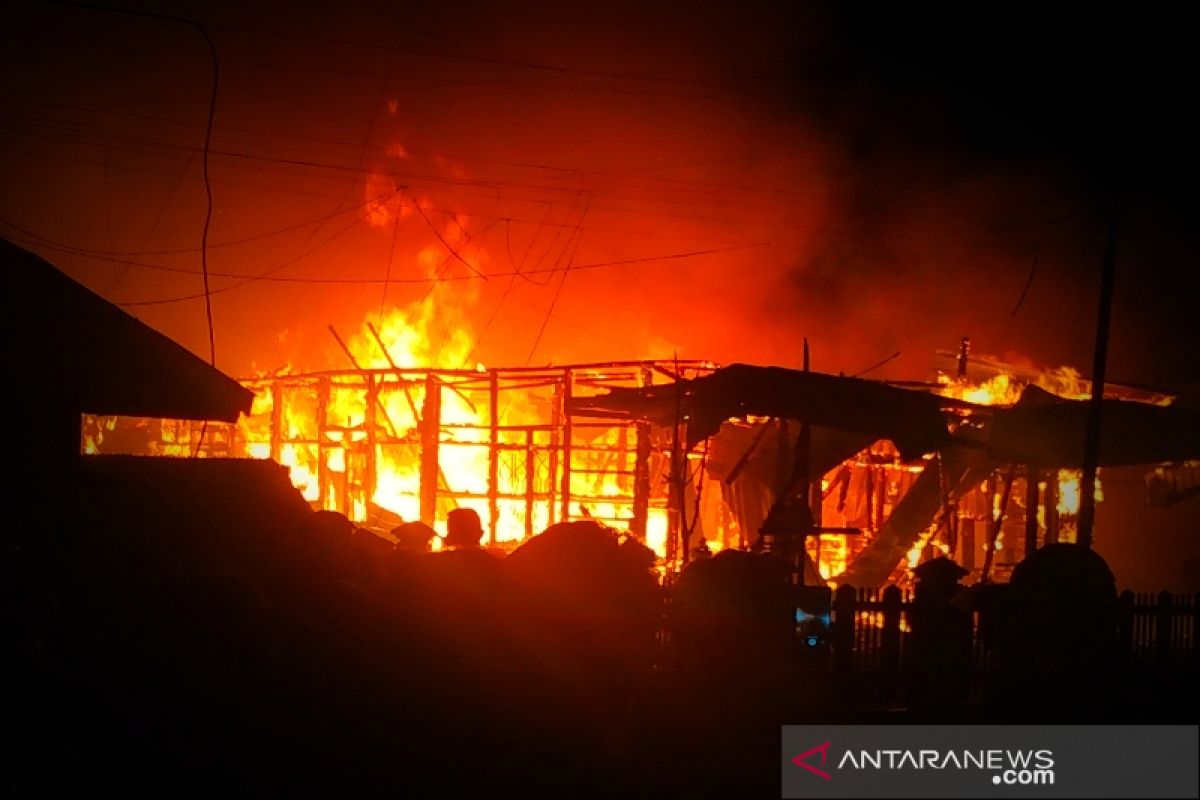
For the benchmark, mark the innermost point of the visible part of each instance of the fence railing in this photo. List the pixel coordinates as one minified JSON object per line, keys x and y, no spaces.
{"x":871,"y":628}
{"x":1160,"y":630}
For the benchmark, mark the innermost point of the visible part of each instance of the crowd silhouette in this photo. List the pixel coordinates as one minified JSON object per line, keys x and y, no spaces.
{"x":232,"y":648}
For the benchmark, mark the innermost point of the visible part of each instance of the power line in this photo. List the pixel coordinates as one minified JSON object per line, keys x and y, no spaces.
{"x":388,"y":271}
{"x":701,"y":91}
{"x":268,"y":275}
{"x":264,"y":276}
{"x":165,"y":174}
{"x":212,"y":111}
{"x":449,"y":247}
{"x":493,"y":61}
{"x":1025,"y":288}
{"x":447,"y":184}
{"x":488,"y":60}
{"x":709,"y":192}
{"x":876,"y":365}
{"x":35,"y":238}
{"x":577,"y":237}
{"x":626,"y":173}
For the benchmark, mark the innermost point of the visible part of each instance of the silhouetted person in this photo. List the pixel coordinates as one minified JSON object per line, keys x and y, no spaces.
{"x":323,"y":549}
{"x":1058,"y":634}
{"x":413,"y":537}
{"x":733,"y":612}
{"x":463,"y":528}
{"x":588,"y":602}
{"x":740,"y":671}
{"x":370,"y":557}
{"x":940,"y":643}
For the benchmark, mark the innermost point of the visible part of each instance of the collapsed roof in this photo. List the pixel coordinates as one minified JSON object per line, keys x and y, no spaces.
{"x":846,"y":414}
{"x":1040,"y":429}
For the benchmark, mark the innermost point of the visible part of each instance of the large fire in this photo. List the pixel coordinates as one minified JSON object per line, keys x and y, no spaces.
{"x":495,"y":448}
{"x":413,"y":427}
{"x":434,"y":333}
{"x":1005,"y":389}
{"x":832,"y":554}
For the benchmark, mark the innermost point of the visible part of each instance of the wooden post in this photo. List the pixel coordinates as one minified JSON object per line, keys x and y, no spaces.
{"x":1031,"y":509}
{"x":1125,"y":623}
{"x":369,"y":422}
{"x":641,"y":482}
{"x":347,"y":466}
{"x":566,"y":445}
{"x":1091,"y":443}
{"x":641,"y":470}
{"x":322,"y":466}
{"x":845,"y":607}
{"x":1050,"y":506}
{"x":675,"y":512}
{"x":552,"y":479}
{"x":889,"y":657}
{"x":1195,"y":631}
{"x":530,"y":480}
{"x":801,"y":473}
{"x":869,"y":493}
{"x":1163,"y":612}
{"x":997,"y":524}
{"x":881,"y":484}
{"x":966,"y":542}
{"x":276,"y":421}
{"x":431,"y":423}
{"x":493,"y":456}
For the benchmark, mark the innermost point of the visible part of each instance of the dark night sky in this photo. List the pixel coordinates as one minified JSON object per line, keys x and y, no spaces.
{"x":874,"y":178}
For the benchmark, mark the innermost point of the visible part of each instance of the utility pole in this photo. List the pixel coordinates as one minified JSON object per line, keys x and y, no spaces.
{"x":1091,"y":444}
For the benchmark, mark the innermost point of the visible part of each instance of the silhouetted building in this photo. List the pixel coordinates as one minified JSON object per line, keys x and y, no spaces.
{"x":73,"y":352}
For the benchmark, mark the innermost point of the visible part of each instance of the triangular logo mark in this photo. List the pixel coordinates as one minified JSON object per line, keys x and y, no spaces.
{"x":800,"y":760}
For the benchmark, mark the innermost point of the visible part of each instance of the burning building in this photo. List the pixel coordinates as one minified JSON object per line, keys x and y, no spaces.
{"x":384,"y":445}
{"x":981,"y":464}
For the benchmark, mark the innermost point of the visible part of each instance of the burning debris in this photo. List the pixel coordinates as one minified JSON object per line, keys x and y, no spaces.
{"x":949,"y":491}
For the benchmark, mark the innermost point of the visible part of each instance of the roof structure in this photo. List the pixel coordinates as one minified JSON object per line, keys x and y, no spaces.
{"x":1040,"y":429}
{"x":84,"y":353}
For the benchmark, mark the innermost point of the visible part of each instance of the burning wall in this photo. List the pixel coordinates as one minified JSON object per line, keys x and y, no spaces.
{"x":414,"y":443}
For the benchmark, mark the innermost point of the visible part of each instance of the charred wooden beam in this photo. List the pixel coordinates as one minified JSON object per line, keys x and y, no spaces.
{"x":997,"y":524}
{"x":1091,"y":444}
{"x":1032,"y":476}
{"x":276,"y":421}
{"x":566,"y":445}
{"x":493,"y":457}
{"x":430,"y":469}
{"x":641,"y":470}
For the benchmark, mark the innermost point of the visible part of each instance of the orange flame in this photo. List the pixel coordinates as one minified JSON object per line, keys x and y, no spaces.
{"x":432,"y":333}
